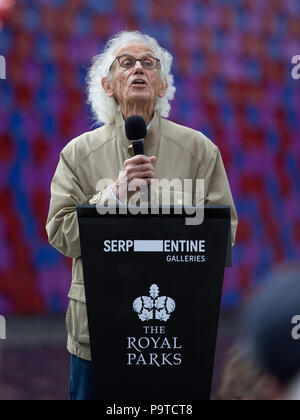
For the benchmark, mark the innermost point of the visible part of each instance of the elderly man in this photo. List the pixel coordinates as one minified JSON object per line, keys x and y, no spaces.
{"x":131,"y":77}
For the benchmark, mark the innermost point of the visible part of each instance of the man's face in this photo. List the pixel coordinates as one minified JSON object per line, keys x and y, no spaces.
{"x":135,"y":84}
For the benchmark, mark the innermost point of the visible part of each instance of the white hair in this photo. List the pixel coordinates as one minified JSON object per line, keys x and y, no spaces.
{"x":105,"y":108}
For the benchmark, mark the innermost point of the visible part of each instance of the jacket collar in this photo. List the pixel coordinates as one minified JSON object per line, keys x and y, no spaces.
{"x":153,"y":132}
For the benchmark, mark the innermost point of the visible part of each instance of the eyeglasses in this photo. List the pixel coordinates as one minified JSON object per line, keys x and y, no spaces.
{"x":127,"y":61}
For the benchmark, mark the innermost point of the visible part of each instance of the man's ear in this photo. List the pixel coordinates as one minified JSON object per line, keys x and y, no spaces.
{"x":163,"y":89}
{"x":106,"y":84}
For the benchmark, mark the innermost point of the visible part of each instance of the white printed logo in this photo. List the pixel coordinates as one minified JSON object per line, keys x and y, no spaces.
{"x":161,"y":193}
{"x":2,"y":328}
{"x":154,"y":306}
{"x":2,"y":67}
{"x":296,"y":329}
{"x":296,"y":68}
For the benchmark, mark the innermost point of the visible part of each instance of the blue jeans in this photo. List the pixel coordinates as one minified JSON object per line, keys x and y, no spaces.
{"x":81,"y":380}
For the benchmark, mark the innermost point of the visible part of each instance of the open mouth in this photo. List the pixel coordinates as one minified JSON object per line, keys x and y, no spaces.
{"x":139,"y":82}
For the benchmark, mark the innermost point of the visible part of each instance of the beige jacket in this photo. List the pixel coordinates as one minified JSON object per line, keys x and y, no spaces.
{"x":181,"y":152}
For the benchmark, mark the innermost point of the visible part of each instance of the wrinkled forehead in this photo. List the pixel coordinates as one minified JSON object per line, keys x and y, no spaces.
{"x":135,"y":49}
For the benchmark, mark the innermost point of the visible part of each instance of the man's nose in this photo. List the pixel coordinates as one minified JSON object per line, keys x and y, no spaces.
{"x":138,"y":66}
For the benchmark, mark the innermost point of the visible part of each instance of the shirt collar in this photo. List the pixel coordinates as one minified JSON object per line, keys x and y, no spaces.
{"x":153,"y":130}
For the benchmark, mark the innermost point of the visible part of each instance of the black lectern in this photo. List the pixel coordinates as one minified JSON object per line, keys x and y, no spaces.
{"x":153,"y":288}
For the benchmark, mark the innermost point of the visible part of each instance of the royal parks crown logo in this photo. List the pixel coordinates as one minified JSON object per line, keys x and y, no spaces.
{"x":154,"y":306}
{"x":153,"y":347}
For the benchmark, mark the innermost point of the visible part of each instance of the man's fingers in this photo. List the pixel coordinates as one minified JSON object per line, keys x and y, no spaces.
{"x":140,"y":175}
{"x":137,"y":171}
{"x":137,"y":160}
{"x":139,"y":168}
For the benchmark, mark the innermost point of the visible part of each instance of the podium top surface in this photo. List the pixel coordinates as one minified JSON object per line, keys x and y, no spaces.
{"x":210,"y":212}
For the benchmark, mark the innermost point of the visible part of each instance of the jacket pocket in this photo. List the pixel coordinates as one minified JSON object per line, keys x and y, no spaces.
{"x":77,"y":291}
{"x":77,"y":322}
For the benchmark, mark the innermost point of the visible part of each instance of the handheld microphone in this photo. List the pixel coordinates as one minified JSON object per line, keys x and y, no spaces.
{"x":136,"y":131}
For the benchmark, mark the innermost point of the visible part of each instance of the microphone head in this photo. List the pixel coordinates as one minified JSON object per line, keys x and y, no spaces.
{"x":135,"y":128}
